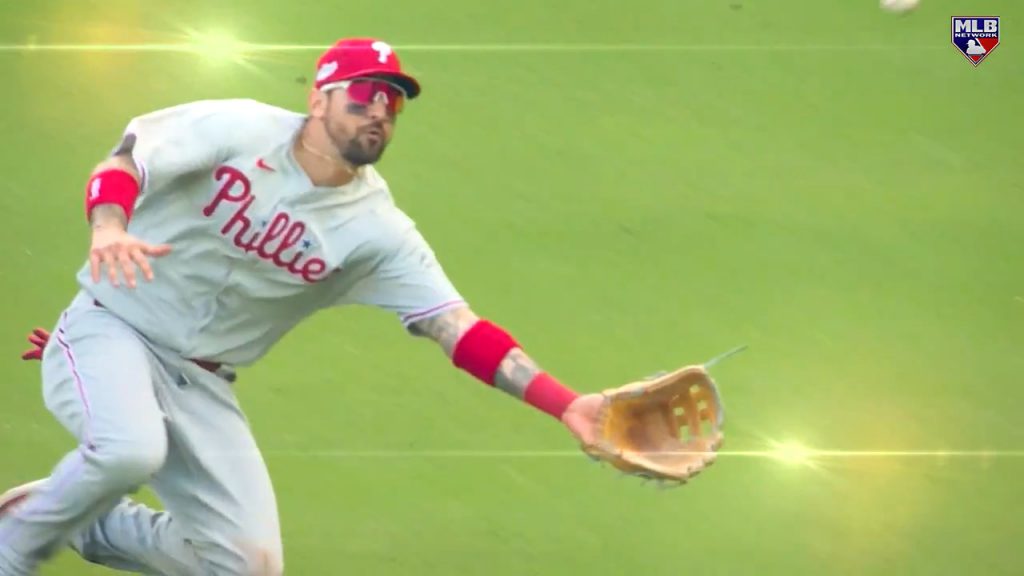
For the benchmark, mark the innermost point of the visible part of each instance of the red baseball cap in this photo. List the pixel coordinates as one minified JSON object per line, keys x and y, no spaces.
{"x":359,"y":57}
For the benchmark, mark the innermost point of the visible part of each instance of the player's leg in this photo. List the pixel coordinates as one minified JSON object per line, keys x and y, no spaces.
{"x":234,"y":525}
{"x":214,"y":485}
{"x":97,"y":382}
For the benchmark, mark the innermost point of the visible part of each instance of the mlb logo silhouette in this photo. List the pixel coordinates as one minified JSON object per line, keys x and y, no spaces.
{"x":975,"y":36}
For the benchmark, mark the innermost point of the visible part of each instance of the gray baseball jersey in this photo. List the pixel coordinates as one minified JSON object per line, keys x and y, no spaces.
{"x":256,"y":246}
{"x":256,"y":249}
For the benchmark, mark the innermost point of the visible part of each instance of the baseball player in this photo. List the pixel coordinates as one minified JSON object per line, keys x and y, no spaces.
{"x":218,"y":226}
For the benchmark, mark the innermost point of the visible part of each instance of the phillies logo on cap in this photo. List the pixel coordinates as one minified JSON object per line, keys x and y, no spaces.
{"x":363,"y":58}
{"x":383,"y":50}
{"x":975,"y":36}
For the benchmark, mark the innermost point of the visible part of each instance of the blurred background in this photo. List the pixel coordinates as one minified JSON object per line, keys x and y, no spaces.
{"x":628,"y":187}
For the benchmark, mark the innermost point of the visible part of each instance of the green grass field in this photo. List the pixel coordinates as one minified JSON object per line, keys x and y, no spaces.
{"x":830,"y":184}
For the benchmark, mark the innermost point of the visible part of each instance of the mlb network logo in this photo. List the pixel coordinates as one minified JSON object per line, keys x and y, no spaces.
{"x":975,"y":36}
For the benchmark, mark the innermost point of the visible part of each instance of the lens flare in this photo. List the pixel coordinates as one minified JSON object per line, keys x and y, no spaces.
{"x":792,"y":453}
{"x":217,"y":47}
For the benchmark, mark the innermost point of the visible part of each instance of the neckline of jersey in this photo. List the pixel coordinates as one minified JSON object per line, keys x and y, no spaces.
{"x":351,"y":188}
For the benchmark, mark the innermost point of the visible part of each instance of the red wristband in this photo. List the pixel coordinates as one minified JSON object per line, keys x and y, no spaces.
{"x":481,"y":350}
{"x":549,"y":395}
{"x":112,"y":186}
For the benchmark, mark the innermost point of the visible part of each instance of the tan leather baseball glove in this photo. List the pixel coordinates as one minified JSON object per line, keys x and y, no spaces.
{"x":667,"y":427}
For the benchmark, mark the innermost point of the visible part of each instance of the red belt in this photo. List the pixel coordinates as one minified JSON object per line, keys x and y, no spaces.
{"x":204,"y":364}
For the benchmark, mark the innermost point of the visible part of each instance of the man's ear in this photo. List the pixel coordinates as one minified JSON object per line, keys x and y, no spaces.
{"x":317,"y":103}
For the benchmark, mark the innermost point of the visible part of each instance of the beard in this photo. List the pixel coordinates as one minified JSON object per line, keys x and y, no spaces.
{"x":361,"y":149}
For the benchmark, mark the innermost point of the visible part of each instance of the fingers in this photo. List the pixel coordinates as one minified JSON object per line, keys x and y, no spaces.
{"x":139,"y":258}
{"x":139,"y":255}
{"x":159,"y":250}
{"x":124,"y":260}
{"x":109,"y":259}
{"x":94,"y":266}
{"x":120,"y":259}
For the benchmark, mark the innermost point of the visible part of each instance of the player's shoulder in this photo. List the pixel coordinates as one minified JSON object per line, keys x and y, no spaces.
{"x":397,"y":232}
{"x":250,"y":111}
{"x":389,"y":217}
{"x":226,"y":107}
{"x":383,"y":231}
{"x":229,"y":116}
{"x":373,"y":180}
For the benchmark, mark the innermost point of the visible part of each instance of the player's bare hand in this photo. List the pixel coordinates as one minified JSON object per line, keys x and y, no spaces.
{"x":581,"y":417}
{"x":119,"y":253}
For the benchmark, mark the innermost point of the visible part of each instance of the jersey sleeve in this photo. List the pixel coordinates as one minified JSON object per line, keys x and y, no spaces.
{"x":408,"y":281}
{"x":176,"y":141}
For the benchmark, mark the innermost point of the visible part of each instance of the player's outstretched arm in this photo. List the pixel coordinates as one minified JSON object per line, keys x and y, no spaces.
{"x":489,"y":353}
{"x":638,"y":428}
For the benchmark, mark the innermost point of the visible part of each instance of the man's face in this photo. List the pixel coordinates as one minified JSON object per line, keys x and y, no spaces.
{"x":360,"y":119}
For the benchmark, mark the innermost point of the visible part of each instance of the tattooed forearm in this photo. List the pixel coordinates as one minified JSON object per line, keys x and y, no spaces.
{"x":516,"y":372}
{"x":107,"y":216}
{"x":445,"y":329}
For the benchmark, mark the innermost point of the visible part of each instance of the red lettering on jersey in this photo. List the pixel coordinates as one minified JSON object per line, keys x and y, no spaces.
{"x":231,"y":176}
{"x":276,"y":227}
{"x":313,"y":269}
{"x":239,"y":217}
{"x":236,"y":188}
{"x":291,"y":238}
{"x":247,"y":245}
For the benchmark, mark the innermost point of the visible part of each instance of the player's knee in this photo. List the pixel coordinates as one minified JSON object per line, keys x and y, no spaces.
{"x":255,"y":559}
{"x":133,"y":462}
{"x":241,"y":557}
{"x":263,"y":560}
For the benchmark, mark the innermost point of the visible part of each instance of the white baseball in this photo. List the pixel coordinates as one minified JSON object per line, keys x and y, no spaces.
{"x":899,"y":5}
